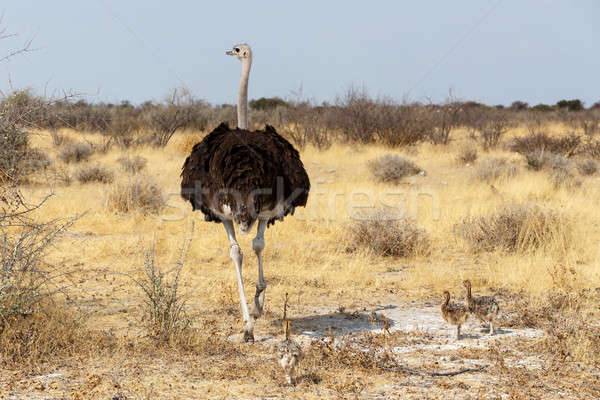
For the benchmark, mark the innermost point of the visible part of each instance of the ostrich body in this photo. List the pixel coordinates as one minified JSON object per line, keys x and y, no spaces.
{"x":242,"y":176}
{"x":454,"y":313}
{"x":484,"y":308}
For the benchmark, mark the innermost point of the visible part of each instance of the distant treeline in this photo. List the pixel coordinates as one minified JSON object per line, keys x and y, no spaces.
{"x":353,"y":117}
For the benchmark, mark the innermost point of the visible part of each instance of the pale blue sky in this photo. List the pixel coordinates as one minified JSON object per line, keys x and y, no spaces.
{"x":535,"y":51}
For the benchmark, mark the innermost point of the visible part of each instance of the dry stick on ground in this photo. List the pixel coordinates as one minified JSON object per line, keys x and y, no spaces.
{"x":285,"y":303}
{"x":411,"y":371}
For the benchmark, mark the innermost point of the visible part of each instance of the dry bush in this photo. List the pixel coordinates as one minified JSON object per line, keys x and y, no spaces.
{"x":392,"y":168}
{"x":121,"y":129}
{"x":187,"y":143}
{"x":140,"y":192}
{"x":516,"y":228}
{"x":443,"y":120}
{"x":75,"y":152}
{"x":35,"y":325}
{"x":565,"y":145}
{"x":26,"y":279}
{"x":495,"y":168}
{"x":591,"y":149}
{"x":493,"y":128}
{"x":50,"y":333}
{"x":132,"y":165}
{"x":179,"y":112}
{"x":59,"y":139}
{"x":17,"y":158}
{"x":358,"y":118}
{"x":589,"y":122}
{"x":587,"y":167}
{"x":308,"y":125}
{"x":565,"y":177}
{"x":467,"y":154}
{"x":386,"y":235}
{"x":166,"y":319}
{"x":541,"y":159}
{"x":94,"y":173}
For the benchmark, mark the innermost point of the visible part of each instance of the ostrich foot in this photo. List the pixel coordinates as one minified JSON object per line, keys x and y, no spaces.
{"x":249,"y":333}
{"x":259,"y":301}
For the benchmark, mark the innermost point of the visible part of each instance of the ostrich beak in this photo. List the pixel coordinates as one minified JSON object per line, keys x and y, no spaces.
{"x":230,"y":52}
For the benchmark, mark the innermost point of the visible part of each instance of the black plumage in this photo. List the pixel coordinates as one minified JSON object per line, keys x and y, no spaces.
{"x":246,"y":173}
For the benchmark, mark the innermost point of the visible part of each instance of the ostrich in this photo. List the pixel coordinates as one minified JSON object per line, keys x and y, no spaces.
{"x":454,"y":313}
{"x":289,"y":353}
{"x":243,"y":176}
{"x":484,"y":308}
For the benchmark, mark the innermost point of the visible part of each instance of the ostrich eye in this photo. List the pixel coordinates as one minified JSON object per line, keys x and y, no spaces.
{"x":236,"y":50}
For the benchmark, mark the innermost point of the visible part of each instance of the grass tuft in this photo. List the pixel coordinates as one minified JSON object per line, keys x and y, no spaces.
{"x":139,"y":193}
{"x":392,"y":168}
{"x":495,"y":168}
{"x":516,"y":228}
{"x":94,"y":173}
{"x":73,"y":152}
{"x":386,"y":235}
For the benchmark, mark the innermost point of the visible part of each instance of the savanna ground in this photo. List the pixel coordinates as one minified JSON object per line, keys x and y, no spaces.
{"x":343,"y":278}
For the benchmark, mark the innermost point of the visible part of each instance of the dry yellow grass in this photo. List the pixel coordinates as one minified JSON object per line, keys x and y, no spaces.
{"x":307,"y":255}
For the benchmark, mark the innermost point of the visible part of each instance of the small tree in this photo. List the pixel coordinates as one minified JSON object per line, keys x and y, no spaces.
{"x":519,"y":105}
{"x":267,"y":103}
{"x":570,"y":105}
{"x":164,"y":120}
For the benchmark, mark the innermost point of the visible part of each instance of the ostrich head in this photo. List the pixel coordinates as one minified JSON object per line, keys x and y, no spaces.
{"x":244,"y":54}
{"x":241,"y":51}
{"x":446,"y":297}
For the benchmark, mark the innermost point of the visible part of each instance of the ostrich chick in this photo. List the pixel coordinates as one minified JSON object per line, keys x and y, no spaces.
{"x":484,"y":308}
{"x":454,"y":313}
{"x":289,"y":353}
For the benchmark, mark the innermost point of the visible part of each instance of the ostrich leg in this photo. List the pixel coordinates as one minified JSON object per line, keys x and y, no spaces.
{"x":235,"y":252}
{"x":258,"y":244}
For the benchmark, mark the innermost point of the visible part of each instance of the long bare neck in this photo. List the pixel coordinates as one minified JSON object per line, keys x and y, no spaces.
{"x":242,"y":105}
{"x":468,"y":291}
{"x":446,"y":299}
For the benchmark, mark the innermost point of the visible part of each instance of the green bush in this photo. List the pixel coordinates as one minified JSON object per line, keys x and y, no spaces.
{"x":265,"y":103}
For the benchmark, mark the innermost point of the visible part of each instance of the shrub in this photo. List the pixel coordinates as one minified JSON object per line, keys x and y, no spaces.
{"x":75,"y":152}
{"x":132,"y":165}
{"x":179,"y":112}
{"x":59,"y":139}
{"x":515,"y":228}
{"x":563,"y":177}
{"x":467,"y":155}
{"x":53,"y":331}
{"x":443,"y":120}
{"x":386,"y":235}
{"x":121,"y":129}
{"x":543,"y":108}
{"x":495,"y":168}
{"x":94,"y":173}
{"x":392,"y":168}
{"x":565,"y":145}
{"x":493,"y":128}
{"x":539,"y":160}
{"x":29,"y":284}
{"x":591,"y":148}
{"x":165,"y":315}
{"x":13,"y":150}
{"x":570,"y":105}
{"x":138,"y":193}
{"x":519,"y":105}
{"x":267,"y":103}
{"x":587,"y":167}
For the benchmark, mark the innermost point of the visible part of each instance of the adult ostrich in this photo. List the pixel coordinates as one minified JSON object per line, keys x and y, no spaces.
{"x":245,"y":176}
